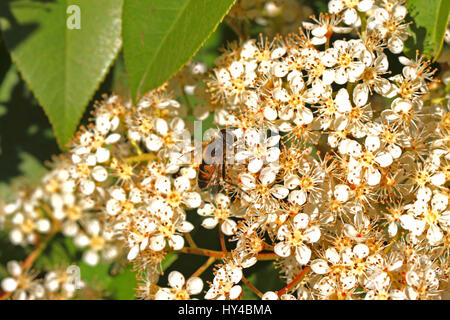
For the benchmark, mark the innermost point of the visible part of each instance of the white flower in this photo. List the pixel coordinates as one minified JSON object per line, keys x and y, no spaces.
{"x":295,"y":238}
{"x":218,"y":212}
{"x":350,"y":9}
{"x":122,"y":203}
{"x":345,"y":57}
{"x":420,"y":216}
{"x":225,"y":283}
{"x":270,"y":295}
{"x":173,"y":135}
{"x":365,"y":164}
{"x":266,"y":180}
{"x":180,"y":288}
{"x":178,"y":191}
{"x":257,"y":152}
{"x":21,"y":284}
{"x":390,"y":25}
{"x":233,"y":81}
{"x":97,"y":239}
{"x":323,"y":28}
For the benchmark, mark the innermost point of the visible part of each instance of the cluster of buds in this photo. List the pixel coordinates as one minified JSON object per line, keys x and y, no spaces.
{"x":325,"y":161}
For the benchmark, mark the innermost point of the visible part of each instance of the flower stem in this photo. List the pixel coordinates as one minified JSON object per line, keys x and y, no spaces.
{"x":205,"y":252}
{"x":268,"y":246}
{"x":252,"y":287}
{"x":190,"y":240}
{"x":222,"y":254}
{"x":222,"y":240}
{"x":140,"y":158}
{"x":295,"y":281}
{"x":37,"y":252}
{"x":394,"y":240}
{"x":203,"y":267}
{"x":136,"y":147}
{"x":238,"y":29}
{"x":267,"y":256}
{"x":363,"y":17}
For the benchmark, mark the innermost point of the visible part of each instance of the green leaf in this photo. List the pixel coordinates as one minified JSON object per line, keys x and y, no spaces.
{"x":160,"y":36}
{"x":62,"y":66}
{"x":168,"y":260}
{"x":121,"y":286}
{"x":120,"y":82}
{"x":430,"y":22}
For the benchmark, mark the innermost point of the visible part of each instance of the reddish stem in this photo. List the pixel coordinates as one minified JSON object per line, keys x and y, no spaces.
{"x":296,"y":280}
{"x":251,"y":287}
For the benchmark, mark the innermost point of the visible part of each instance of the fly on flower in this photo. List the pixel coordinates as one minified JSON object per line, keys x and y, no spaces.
{"x":215,"y":155}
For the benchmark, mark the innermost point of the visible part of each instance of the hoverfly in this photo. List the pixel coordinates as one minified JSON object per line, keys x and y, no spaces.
{"x":212,"y":169}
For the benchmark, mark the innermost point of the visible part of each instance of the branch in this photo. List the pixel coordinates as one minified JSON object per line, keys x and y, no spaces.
{"x":252,"y":287}
{"x":140,"y":158}
{"x":294,"y":282}
{"x":203,"y":267}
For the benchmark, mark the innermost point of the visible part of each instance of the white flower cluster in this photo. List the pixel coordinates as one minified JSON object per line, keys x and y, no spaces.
{"x":23,"y":285}
{"x":55,"y":206}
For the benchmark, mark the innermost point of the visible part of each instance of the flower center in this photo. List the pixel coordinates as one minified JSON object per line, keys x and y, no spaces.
{"x":431,"y":216}
{"x":174,"y":198}
{"x":389,"y":136}
{"x":97,"y":243}
{"x":296,"y":238}
{"x":83,"y":170}
{"x":306,"y":183}
{"x":406,"y":90}
{"x":127,"y":207}
{"x":167,"y":229}
{"x":221,"y":213}
{"x":52,"y":186}
{"x":351,"y":3}
{"x":345,"y":59}
{"x":124,"y":171}
{"x":74,"y":213}
{"x":145,"y":125}
{"x":367,"y":159}
{"x":27,"y":226}
{"x":168,"y":140}
{"x":98,"y":142}
{"x":422,"y":177}
{"x":181,"y":295}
